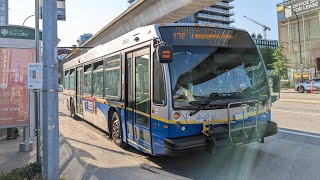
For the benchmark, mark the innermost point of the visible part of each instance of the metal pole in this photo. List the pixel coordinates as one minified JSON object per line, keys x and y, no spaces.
{"x":27,"y":19}
{"x":37,"y":94}
{"x":50,"y":164}
{"x":300,"y":51}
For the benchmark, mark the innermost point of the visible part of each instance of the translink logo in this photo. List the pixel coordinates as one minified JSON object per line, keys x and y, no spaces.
{"x":4,"y":32}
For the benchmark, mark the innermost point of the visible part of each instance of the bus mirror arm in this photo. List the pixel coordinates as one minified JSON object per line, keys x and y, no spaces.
{"x":157,"y":42}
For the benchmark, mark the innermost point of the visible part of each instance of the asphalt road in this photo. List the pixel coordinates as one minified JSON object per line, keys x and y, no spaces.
{"x":294,"y":153}
{"x":297,"y":111}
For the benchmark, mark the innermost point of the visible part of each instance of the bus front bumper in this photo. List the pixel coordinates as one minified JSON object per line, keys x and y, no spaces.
{"x":182,"y":145}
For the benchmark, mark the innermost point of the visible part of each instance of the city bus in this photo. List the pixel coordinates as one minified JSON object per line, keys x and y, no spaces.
{"x":167,"y":89}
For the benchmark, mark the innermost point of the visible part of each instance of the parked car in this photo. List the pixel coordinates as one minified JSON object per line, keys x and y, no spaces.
{"x":60,"y":88}
{"x":306,"y":86}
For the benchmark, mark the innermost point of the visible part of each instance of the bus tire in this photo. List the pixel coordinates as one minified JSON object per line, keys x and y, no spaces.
{"x":301,"y":89}
{"x":116,"y":132}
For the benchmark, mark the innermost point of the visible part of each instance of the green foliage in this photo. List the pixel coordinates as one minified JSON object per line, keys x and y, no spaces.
{"x":267,"y":57}
{"x":280,"y":64}
{"x":30,"y":172}
{"x":285,"y":84}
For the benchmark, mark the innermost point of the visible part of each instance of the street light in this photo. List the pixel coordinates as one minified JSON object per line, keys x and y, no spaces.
{"x":299,"y":42}
{"x":27,"y":19}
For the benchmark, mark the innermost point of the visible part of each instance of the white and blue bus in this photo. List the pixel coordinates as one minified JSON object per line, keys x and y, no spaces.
{"x":170,"y":88}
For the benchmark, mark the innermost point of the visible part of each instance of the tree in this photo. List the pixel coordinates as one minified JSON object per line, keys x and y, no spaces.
{"x":267,"y":57}
{"x":259,"y":36}
{"x":280,"y":64}
{"x":254,"y":36}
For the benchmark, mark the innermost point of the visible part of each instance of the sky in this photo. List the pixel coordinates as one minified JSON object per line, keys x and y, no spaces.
{"x":89,"y":16}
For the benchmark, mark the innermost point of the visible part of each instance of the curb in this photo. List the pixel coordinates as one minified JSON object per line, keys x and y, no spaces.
{"x":300,"y":101}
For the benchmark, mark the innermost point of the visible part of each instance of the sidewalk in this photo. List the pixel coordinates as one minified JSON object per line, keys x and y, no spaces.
{"x":11,"y":158}
{"x":86,"y":153}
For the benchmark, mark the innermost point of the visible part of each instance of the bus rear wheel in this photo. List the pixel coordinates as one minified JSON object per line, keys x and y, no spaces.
{"x":116,"y":130}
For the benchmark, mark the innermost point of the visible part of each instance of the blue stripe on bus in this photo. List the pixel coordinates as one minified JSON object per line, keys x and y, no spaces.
{"x":159,"y":132}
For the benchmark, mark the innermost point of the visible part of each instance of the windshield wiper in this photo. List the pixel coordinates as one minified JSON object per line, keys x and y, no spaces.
{"x":200,"y":105}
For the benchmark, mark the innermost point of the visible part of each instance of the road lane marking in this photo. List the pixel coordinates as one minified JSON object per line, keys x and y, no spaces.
{"x":296,"y":112}
{"x":298,"y":133}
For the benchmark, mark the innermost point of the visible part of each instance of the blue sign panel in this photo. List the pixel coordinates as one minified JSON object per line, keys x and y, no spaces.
{"x":61,"y":10}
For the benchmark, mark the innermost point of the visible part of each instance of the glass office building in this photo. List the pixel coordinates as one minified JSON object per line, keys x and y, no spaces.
{"x":219,"y":14}
{"x":308,"y":16}
{"x":83,"y":38}
{"x":4,"y":12}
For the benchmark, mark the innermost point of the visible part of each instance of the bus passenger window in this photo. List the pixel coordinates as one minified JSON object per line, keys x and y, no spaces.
{"x":87,"y":88}
{"x":113,"y":78}
{"x":72,"y":80}
{"x":98,"y":79}
{"x":66,"y":80}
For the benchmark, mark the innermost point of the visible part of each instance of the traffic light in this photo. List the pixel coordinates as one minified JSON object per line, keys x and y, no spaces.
{"x":318,"y":64}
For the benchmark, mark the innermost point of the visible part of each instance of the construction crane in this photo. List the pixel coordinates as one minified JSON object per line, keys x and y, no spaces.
{"x":265,"y":28}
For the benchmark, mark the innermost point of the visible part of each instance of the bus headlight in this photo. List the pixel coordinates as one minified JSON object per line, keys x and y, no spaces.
{"x":183,"y":129}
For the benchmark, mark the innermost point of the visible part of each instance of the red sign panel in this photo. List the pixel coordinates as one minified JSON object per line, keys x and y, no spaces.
{"x":14,"y":97}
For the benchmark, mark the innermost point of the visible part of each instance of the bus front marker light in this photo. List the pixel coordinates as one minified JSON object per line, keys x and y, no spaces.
{"x":164,"y":54}
{"x":176,"y":115}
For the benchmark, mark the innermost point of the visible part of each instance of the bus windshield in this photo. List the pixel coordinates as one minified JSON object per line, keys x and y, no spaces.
{"x":216,"y":73}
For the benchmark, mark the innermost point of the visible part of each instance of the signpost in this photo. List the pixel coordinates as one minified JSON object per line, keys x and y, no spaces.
{"x":50,"y":164}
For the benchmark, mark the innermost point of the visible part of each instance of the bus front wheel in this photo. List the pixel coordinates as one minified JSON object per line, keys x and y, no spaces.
{"x":116,"y":130}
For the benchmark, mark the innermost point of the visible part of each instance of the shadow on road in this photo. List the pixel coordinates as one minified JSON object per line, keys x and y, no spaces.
{"x":252,"y":161}
{"x":75,"y":163}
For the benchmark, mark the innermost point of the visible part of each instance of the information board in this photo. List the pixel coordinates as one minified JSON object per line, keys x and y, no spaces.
{"x":35,"y":75}
{"x":14,"y":97}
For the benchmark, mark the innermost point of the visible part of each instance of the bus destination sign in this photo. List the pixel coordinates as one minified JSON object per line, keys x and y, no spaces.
{"x":203,"y":36}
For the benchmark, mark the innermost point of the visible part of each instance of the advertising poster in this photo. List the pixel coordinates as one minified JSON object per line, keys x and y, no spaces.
{"x":285,"y":9}
{"x":14,"y":97}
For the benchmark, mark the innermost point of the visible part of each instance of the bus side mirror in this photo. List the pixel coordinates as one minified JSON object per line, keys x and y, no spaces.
{"x":165,"y":54}
{"x":276,"y":84}
{"x":276,"y":87}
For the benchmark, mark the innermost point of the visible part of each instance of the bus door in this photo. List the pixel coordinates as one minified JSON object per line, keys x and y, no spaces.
{"x":138,"y":98}
{"x":79,"y":92}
